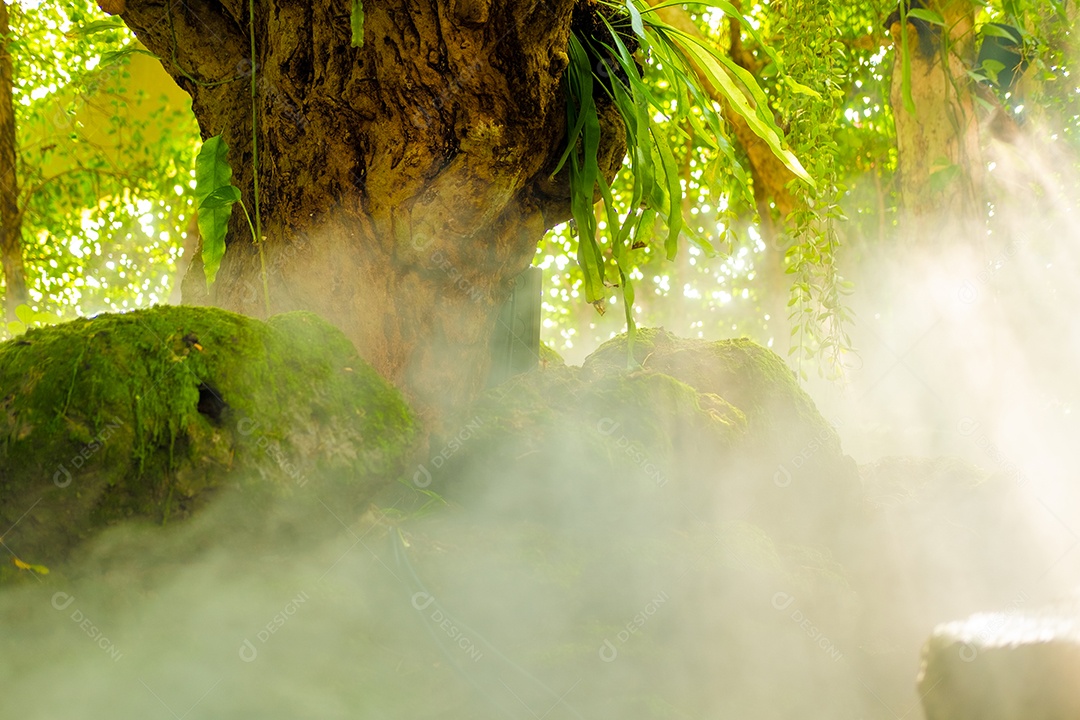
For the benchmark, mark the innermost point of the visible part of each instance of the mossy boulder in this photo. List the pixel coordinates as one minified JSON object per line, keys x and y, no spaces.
{"x":790,"y":473}
{"x":555,"y":445}
{"x":752,"y":378}
{"x":146,"y":414}
{"x":716,"y":431}
{"x":550,"y":357}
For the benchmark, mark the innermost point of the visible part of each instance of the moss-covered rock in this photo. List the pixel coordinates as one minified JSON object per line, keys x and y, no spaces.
{"x":750,"y":377}
{"x":144,"y":414}
{"x":554,"y":445}
{"x":697,"y":430}
{"x":549,"y":357}
{"x":791,"y":473}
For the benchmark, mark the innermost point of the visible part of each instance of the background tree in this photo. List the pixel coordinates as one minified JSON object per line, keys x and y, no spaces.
{"x":102,"y":168}
{"x":10,"y":213}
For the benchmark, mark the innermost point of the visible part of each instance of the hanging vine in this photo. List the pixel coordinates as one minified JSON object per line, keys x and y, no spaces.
{"x":814,"y":55}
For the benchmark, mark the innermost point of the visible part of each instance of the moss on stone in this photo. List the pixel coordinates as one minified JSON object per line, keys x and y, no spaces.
{"x":565,"y":447}
{"x":750,"y":377}
{"x":549,"y":357}
{"x":144,"y":414}
{"x":691,"y":430}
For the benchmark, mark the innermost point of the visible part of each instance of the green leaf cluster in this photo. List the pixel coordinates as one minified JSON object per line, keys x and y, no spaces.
{"x":685,"y":64}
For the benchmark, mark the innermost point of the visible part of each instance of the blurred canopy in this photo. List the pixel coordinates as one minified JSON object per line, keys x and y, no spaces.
{"x":106,"y":143}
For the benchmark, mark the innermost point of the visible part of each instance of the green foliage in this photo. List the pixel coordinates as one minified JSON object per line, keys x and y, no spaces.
{"x":103,"y":166}
{"x":818,"y":317}
{"x":356,"y":22}
{"x":685,"y":64}
{"x":214,"y":196}
{"x":28,"y":318}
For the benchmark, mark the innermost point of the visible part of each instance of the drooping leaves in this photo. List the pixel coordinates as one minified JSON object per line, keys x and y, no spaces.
{"x":686,"y":64}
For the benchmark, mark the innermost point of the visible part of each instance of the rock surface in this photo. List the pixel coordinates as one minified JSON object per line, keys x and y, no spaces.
{"x":145,"y":415}
{"x":687,"y":430}
{"x":1002,"y":666}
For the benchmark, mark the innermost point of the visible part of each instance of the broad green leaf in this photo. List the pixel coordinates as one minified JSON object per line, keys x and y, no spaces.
{"x":992,"y":68}
{"x":356,"y":21}
{"x":800,"y":89}
{"x":212,"y":176}
{"x":995,"y":30}
{"x":25,"y":313}
{"x":222,"y":197}
{"x":943,"y":175}
{"x":212,"y":169}
{"x":926,"y":16}
{"x":762,"y":127}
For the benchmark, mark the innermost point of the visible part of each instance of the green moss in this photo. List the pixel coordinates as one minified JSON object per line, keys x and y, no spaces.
{"x":142,"y":415}
{"x":549,"y":357}
{"x":750,"y":377}
{"x":563,"y":446}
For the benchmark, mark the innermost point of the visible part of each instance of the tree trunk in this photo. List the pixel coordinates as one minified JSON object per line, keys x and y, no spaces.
{"x":11,"y":259}
{"x":940,"y":162}
{"x":403,"y":184}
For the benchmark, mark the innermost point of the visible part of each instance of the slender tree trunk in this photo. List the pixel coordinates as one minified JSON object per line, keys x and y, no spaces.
{"x":11,"y":258}
{"x":403,"y":184}
{"x":940,"y":161}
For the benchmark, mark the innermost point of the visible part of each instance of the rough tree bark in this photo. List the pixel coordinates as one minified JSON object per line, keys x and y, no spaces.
{"x":940,"y":161}
{"x":11,"y":259}
{"x":402,"y":184}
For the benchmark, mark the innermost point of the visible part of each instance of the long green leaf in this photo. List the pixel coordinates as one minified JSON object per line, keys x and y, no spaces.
{"x":635,"y":20}
{"x":222,"y":197}
{"x":926,"y":16}
{"x":584,"y":170}
{"x":212,"y":169}
{"x":905,"y":63}
{"x":764,"y":128}
{"x":728,"y":9}
{"x":578,"y":75}
{"x":356,"y":23}
{"x":674,"y":193}
{"x":213,"y":177}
